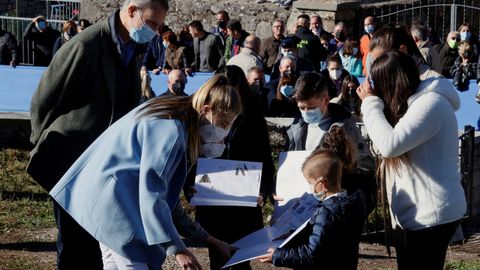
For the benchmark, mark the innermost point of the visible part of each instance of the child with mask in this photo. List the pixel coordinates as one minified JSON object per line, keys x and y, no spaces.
{"x":318,"y":116}
{"x":335,"y":73}
{"x":331,"y":238}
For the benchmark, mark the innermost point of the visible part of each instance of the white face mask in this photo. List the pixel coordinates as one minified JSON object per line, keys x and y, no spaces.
{"x":212,"y":134}
{"x":318,"y":195}
{"x":212,"y":150}
{"x":335,"y":74}
{"x":285,"y":52}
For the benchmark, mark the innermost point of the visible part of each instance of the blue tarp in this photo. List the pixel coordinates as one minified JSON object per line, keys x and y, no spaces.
{"x":17,"y":87}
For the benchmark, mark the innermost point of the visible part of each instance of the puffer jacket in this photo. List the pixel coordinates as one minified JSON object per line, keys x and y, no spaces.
{"x":330,"y":240}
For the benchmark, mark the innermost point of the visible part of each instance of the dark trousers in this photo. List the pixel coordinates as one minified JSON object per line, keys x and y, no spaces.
{"x":229,"y":224}
{"x":76,"y":248}
{"x":425,"y":249}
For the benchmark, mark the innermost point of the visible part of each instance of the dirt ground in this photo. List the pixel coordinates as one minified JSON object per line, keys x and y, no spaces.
{"x":36,"y":250}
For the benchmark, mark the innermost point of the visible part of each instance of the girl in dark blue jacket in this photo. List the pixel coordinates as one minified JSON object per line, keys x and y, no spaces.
{"x":330,"y":240}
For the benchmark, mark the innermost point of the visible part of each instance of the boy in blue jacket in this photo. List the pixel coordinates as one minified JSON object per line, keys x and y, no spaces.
{"x":330,"y":240}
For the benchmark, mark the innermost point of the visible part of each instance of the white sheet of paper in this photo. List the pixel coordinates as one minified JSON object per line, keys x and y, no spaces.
{"x":227,"y":182}
{"x":291,"y":183}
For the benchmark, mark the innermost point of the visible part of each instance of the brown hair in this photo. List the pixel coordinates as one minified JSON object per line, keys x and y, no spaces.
{"x":339,"y":143}
{"x":310,"y":85}
{"x":344,"y":100}
{"x":69,"y":24}
{"x":395,"y":77}
{"x":350,"y":43}
{"x":216,"y":92}
{"x":170,"y":37}
{"x":323,"y":163}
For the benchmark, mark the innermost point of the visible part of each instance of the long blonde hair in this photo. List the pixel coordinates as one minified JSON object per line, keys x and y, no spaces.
{"x":216,"y":92}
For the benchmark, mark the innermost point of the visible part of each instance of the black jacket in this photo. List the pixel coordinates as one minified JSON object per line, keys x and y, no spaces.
{"x":43,"y":43}
{"x":8,"y":47}
{"x":462,"y":74}
{"x":310,"y":47}
{"x":443,"y":58}
{"x":331,"y":238}
{"x":333,"y":89}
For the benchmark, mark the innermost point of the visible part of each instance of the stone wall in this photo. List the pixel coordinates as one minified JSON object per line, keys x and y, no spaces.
{"x":255,"y":18}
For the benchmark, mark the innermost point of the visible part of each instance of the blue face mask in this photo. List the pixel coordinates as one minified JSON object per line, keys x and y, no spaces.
{"x":143,"y":34}
{"x":369,"y":28}
{"x":312,"y":116}
{"x":41,"y":25}
{"x":287,"y":91}
{"x":465,"y":36}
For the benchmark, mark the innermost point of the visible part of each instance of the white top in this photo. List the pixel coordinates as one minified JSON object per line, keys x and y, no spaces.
{"x":314,"y":136}
{"x":426,"y":191}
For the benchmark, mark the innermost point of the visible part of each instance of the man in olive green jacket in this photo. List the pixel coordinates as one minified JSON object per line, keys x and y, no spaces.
{"x":92,"y":81}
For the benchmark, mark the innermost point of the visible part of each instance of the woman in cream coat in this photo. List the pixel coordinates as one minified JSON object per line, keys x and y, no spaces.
{"x":413,"y":125}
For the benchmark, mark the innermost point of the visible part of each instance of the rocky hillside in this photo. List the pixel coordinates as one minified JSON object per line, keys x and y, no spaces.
{"x":255,"y":18}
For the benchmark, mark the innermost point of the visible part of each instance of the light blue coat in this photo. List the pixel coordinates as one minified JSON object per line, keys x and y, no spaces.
{"x":123,"y":187}
{"x":352,"y":64}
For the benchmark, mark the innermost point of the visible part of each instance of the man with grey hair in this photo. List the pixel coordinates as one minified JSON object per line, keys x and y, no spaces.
{"x":316,"y":26}
{"x":93,"y":80}
{"x":420,"y":35}
{"x":248,"y":57}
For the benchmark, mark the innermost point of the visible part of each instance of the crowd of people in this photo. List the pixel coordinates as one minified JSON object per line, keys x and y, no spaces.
{"x":115,"y":158}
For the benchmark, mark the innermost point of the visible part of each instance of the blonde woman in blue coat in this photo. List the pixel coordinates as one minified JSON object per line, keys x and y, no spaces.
{"x":123,"y":187}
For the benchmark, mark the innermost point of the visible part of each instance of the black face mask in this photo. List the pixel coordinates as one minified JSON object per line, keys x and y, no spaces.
{"x":257,"y":87}
{"x":340,"y":35}
{"x":178,"y":88}
{"x":71,"y":32}
{"x":221,"y":24}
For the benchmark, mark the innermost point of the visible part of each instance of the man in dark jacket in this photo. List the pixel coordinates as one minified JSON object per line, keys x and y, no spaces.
{"x":234,"y":42}
{"x":8,"y":49}
{"x":331,"y":238}
{"x":270,"y":46}
{"x":207,"y":48}
{"x":44,"y":38}
{"x":154,"y":57}
{"x":90,"y":84}
{"x":309,"y":47}
{"x":445,"y":54}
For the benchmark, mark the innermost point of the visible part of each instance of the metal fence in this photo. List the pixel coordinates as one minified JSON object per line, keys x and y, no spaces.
{"x":442,"y":16}
{"x":56,"y":12}
{"x":63,"y":10}
{"x":17,"y":26}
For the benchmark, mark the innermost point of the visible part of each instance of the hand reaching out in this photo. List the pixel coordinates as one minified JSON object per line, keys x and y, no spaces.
{"x":187,"y":260}
{"x":267,"y":258}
